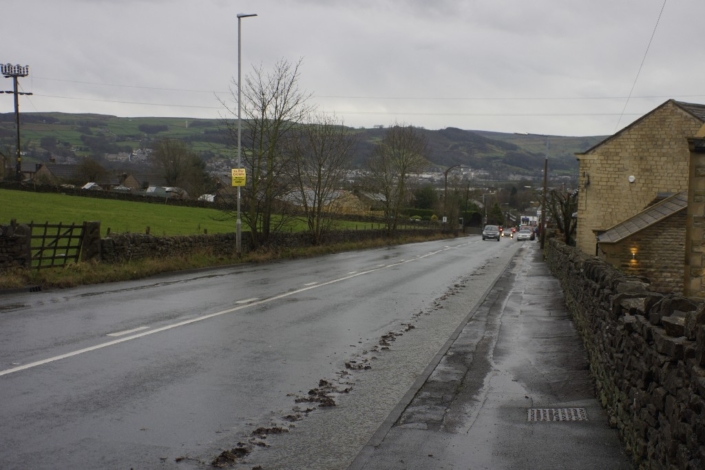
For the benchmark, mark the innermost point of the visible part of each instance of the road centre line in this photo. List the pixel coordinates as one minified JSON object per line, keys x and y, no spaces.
{"x":127,"y":332}
{"x":254,"y":303}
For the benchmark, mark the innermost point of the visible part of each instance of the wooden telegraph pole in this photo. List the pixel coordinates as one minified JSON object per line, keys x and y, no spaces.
{"x":15,"y":71}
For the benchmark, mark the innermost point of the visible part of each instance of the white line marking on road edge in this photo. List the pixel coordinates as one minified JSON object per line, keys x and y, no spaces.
{"x":78,"y":352}
{"x":247,"y":301}
{"x":127,"y":332}
{"x":311,"y":284}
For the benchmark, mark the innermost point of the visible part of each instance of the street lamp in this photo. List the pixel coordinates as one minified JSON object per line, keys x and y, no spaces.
{"x":14,"y":71}
{"x":238,"y":224}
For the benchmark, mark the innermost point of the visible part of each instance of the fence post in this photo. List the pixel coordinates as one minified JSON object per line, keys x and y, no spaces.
{"x":90,"y":241}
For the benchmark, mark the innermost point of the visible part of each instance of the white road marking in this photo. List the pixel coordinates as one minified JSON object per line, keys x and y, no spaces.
{"x":311,"y":284}
{"x":247,"y":301}
{"x":352,"y":272}
{"x":253,"y":303}
{"x":127,"y":332}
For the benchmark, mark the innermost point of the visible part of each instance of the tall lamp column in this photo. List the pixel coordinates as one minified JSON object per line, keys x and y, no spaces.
{"x":238,"y":224}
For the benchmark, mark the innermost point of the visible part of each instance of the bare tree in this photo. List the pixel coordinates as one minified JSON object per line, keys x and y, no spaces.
{"x":562,"y":205}
{"x":401,"y":154}
{"x":179,"y":166}
{"x":89,"y":170}
{"x":320,"y":153}
{"x":273,"y":106}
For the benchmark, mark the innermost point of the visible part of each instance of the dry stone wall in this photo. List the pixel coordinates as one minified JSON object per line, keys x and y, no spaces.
{"x":14,"y":246}
{"x":647,"y":356}
{"x":132,"y":246}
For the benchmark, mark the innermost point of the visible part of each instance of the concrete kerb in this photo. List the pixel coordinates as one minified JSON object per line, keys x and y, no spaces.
{"x":363,"y":456}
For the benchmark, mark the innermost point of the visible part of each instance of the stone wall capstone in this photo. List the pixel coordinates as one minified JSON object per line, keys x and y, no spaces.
{"x":647,"y":356}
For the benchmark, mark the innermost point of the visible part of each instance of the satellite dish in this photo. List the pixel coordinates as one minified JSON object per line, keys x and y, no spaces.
{"x":632,"y":178}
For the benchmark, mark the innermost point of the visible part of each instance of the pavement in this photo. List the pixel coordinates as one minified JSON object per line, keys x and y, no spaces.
{"x":510,"y":390}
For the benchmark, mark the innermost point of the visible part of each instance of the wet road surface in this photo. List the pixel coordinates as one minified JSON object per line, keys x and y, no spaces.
{"x":169,"y":372}
{"x":513,"y":392}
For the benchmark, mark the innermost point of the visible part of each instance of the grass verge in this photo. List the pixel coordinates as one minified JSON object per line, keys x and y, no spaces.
{"x":78,"y":274}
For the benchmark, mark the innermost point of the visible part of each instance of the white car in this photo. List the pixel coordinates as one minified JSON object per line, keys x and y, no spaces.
{"x":523,"y":235}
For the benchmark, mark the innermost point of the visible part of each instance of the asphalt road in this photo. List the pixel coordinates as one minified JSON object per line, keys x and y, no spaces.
{"x":169,"y":372}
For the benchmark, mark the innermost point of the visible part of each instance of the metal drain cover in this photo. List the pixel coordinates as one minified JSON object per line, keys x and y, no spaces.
{"x":557,"y":414}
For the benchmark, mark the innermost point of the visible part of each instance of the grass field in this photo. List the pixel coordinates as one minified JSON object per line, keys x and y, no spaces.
{"x":125,"y":216}
{"x":119,"y":216}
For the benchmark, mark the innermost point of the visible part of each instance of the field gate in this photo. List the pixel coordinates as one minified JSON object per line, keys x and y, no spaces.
{"x":56,"y":245}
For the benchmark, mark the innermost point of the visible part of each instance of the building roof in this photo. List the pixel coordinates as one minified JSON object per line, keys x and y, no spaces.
{"x":65,"y":171}
{"x":695,"y":110}
{"x":646,"y":218}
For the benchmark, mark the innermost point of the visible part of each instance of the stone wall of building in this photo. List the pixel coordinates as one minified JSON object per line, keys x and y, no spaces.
{"x":647,"y":355}
{"x":695,"y":222}
{"x":656,"y":253}
{"x":654,"y":150}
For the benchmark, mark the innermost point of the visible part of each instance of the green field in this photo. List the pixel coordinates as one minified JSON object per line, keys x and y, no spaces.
{"x":119,"y":216}
{"x":124,"y":216}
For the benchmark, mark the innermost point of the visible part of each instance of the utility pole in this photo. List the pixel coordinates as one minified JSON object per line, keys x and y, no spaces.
{"x":15,"y":71}
{"x":543,"y":204}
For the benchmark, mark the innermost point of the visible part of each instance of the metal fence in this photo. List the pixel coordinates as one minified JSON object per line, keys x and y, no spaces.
{"x":55,"y":244}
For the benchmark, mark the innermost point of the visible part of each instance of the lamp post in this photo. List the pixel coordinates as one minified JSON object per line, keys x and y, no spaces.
{"x":14,"y":71}
{"x":238,"y":224}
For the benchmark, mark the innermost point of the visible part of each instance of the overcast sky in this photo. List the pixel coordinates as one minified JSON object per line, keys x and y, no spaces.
{"x":560,"y":67}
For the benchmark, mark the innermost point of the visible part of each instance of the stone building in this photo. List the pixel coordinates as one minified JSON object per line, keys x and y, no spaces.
{"x":621,"y":175}
{"x":695,"y":222}
{"x":651,"y":244}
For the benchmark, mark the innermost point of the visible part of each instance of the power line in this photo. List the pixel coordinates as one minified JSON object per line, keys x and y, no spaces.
{"x":508,"y":98}
{"x":640,"y":66}
{"x":405,"y":98}
{"x":410,"y":113}
{"x":129,"y":86}
{"x":483,"y":114}
{"x":127,"y":102}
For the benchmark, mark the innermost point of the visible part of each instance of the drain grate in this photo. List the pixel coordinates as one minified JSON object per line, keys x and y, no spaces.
{"x":557,"y":414}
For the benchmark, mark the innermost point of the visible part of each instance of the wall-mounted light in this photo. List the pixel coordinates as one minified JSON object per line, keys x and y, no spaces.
{"x":631,"y":178}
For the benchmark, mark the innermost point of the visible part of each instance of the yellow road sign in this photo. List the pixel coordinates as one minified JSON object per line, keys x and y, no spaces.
{"x":238,"y":175}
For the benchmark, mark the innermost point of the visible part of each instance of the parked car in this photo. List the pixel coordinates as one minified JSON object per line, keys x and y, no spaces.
{"x":524,"y":235}
{"x":491,"y":231}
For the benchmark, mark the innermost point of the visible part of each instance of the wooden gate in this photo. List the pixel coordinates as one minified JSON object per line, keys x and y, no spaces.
{"x":55,"y":244}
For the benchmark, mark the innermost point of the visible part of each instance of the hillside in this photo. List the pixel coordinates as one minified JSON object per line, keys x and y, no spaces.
{"x":70,"y":137}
